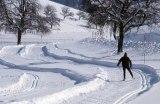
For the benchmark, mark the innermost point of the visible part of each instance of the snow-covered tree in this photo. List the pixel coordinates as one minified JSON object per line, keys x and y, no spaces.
{"x":2,"y":13}
{"x":22,"y":15}
{"x":123,"y":15}
{"x":51,"y":16}
{"x":81,"y":14}
{"x":66,"y":12}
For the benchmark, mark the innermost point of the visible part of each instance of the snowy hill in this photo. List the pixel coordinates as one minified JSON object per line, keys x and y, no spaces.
{"x":79,"y":4}
{"x":71,"y":28}
{"x":73,"y":66}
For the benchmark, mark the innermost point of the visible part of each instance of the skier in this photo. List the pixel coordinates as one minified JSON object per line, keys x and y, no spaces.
{"x":126,"y":64}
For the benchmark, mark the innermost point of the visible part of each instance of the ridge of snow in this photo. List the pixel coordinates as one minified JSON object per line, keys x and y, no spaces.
{"x":32,"y":51}
{"x":19,"y":86}
{"x":10,"y":50}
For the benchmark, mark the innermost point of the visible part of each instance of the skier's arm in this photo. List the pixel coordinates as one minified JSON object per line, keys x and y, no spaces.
{"x":119,"y":62}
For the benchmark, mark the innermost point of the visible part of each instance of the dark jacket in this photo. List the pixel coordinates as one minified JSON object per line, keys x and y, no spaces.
{"x":126,"y":62}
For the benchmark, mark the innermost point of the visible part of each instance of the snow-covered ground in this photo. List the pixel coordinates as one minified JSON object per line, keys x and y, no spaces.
{"x":71,"y":66}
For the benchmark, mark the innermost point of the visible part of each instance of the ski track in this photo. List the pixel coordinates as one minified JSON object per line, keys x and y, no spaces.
{"x":145,"y":71}
{"x":35,"y":82}
{"x":145,"y":85}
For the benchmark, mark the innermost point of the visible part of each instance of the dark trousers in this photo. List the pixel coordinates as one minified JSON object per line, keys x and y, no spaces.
{"x":124,"y":72}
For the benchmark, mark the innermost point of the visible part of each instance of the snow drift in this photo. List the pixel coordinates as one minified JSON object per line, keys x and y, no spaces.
{"x":32,"y":51}
{"x":11,"y":50}
{"x":22,"y":85}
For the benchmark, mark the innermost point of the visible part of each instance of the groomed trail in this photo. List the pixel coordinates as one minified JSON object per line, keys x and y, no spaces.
{"x":85,"y":86}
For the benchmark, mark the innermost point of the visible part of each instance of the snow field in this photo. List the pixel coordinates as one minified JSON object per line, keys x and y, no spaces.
{"x":98,"y":80}
{"x":84,"y":87}
{"x":70,"y":67}
{"x":90,"y":86}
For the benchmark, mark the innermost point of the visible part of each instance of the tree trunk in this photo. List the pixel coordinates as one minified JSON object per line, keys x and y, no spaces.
{"x":19,"y":37}
{"x":114,"y":30}
{"x":121,"y":36}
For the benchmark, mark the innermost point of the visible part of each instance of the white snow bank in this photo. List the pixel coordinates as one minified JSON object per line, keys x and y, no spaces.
{"x":10,"y":50}
{"x":18,"y":86}
{"x":64,"y":95}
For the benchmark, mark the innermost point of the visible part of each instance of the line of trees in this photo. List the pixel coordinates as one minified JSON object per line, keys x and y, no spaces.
{"x":123,"y":15}
{"x":20,"y":15}
{"x":81,"y":15}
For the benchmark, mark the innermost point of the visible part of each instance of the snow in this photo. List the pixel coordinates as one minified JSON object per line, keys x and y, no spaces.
{"x":149,"y":97}
{"x":71,"y":92}
{"x":30,"y":50}
{"x":71,"y":66}
{"x":99,"y":80}
{"x":17,"y":86}
{"x":10,"y":50}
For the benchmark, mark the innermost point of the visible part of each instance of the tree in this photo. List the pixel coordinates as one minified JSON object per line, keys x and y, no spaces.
{"x":2,"y":13}
{"x":123,"y":15}
{"x":81,"y":14}
{"x":22,"y":15}
{"x":66,"y":12}
{"x":51,"y":16}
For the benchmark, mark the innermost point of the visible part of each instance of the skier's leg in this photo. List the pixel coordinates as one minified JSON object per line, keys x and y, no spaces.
{"x":130,"y":72}
{"x":124,"y":74}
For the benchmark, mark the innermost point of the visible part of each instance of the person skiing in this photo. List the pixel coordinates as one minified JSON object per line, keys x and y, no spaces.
{"x":126,"y":64}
